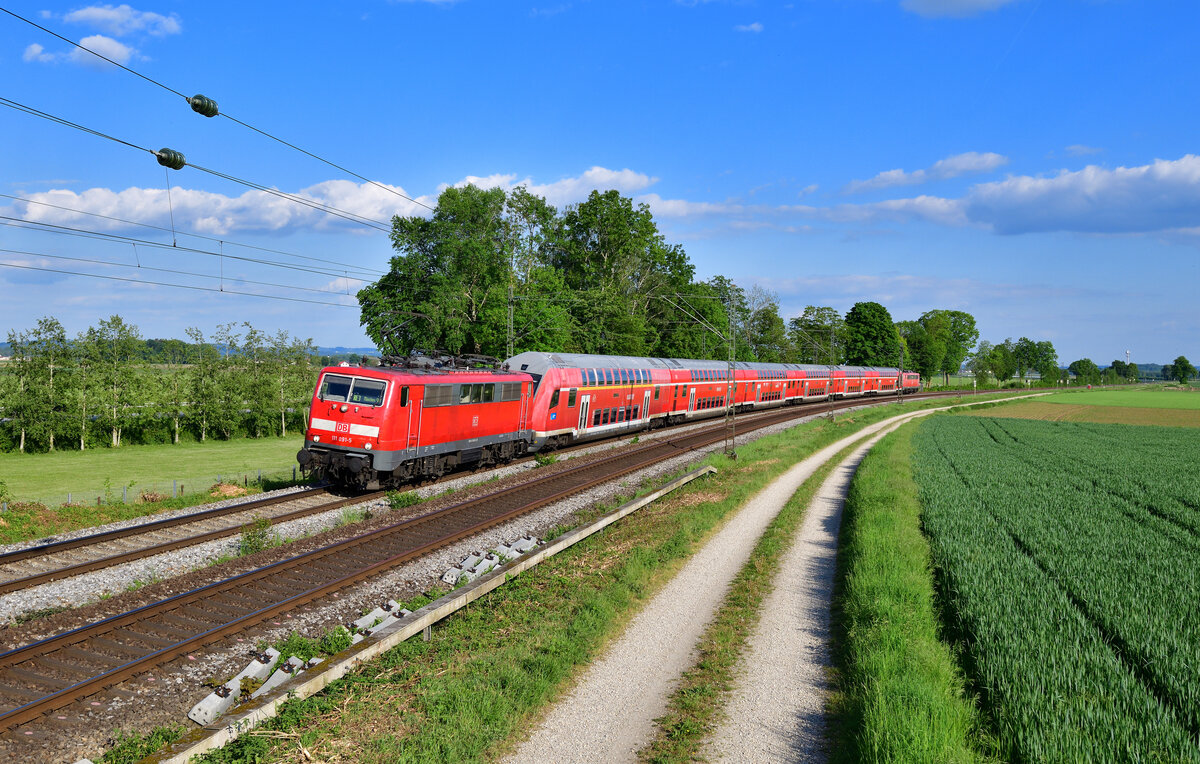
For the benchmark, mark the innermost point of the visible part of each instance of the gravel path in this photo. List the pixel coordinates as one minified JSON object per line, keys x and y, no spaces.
{"x":609,"y":715}
{"x":777,"y":709}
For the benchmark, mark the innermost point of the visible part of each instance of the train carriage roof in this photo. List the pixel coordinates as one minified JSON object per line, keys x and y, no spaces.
{"x":538,"y":363}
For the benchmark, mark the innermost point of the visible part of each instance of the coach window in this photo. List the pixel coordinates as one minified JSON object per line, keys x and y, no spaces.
{"x":595,"y":418}
{"x":604,"y":419}
{"x":404,"y":396}
{"x":656,"y":393}
{"x":571,"y":399}
{"x":554,"y":399}
{"x":489,"y":393}
{"x":621,"y":414}
{"x":608,"y":377}
{"x":464,"y":393}
{"x":591,"y":376}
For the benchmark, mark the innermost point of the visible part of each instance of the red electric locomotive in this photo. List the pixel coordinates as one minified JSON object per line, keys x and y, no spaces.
{"x":385,"y":426}
{"x":373,"y":427}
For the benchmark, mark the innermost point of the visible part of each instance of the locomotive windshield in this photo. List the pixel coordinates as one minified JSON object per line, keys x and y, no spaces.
{"x":357,"y":390}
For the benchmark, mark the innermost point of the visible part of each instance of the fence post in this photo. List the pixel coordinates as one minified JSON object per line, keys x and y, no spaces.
{"x":5,"y":507}
{"x":68,"y":497}
{"x":124,"y":494}
{"x":260,"y":477}
{"x":174,"y":489}
{"x":293,"y":473}
{"x":218,"y":479}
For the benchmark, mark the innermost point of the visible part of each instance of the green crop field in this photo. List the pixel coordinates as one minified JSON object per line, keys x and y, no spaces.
{"x":1136,"y":398}
{"x":1066,"y":556}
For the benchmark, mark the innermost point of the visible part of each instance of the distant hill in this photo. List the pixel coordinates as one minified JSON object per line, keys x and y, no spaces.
{"x":321,"y":350}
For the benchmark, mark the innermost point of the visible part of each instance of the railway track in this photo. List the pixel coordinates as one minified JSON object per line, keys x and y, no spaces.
{"x":56,"y":560}
{"x":51,"y":674}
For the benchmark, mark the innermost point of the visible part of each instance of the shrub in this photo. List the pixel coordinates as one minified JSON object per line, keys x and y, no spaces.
{"x":401,"y":499}
{"x":256,"y":536}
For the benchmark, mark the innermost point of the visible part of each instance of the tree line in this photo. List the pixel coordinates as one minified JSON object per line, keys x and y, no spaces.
{"x":496,"y":273}
{"x":107,"y":386}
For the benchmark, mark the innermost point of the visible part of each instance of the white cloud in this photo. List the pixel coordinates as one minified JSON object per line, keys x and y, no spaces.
{"x":1160,"y":196}
{"x":215,"y":214}
{"x":950,"y":167}
{"x":36,"y":52}
{"x":105,"y":46}
{"x":567,"y":190}
{"x":810,"y":188}
{"x":122,"y":20}
{"x":951,"y":8}
{"x":756,"y":27}
{"x":1078,"y":150}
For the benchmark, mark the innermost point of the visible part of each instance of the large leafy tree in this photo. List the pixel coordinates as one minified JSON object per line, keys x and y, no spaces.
{"x":768,"y":336}
{"x":617,"y":264}
{"x":1004,"y":361}
{"x":871,"y":338}
{"x":1182,"y":369}
{"x":926,"y":348}
{"x":956,"y":331}
{"x":980,"y":362}
{"x":115,"y":344}
{"x":1085,"y":370}
{"x":818,"y":335}
{"x":451,"y":268}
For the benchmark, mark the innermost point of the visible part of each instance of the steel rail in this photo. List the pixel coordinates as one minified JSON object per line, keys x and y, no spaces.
{"x":54,"y":547}
{"x":167,"y":546}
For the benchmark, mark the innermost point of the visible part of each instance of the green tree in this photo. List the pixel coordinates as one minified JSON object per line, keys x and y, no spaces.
{"x":871,"y":338}
{"x":818,"y":335}
{"x":1045,"y":360}
{"x":957,"y":332}
{"x":1182,"y":370}
{"x":926,"y":348}
{"x":1025,"y":355}
{"x":980,"y":362}
{"x":768,"y":335}
{"x":1004,"y":361}
{"x":86,"y":391}
{"x":451,"y":268}
{"x":1131,"y":372}
{"x":1085,"y":370}
{"x":1167,"y":371}
{"x":615,"y":260}
{"x":173,"y":382}
{"x":202,"y":382}
{"x":115,"y":344}
{"x":228,"y":392}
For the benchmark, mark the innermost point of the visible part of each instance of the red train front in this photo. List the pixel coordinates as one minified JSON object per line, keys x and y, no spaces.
{"x":380,"y":427}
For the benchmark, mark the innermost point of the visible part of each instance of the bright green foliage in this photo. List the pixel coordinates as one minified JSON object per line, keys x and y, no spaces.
{"x":1066,"y":553}
{"x":1137,"y":398}
{"x":133,"y":747}
{"x":1182,"y":369}
{"x":818,"y":335}
{"x":871,"y":339}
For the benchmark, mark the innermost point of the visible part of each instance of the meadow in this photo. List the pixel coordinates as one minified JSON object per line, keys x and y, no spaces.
{"x":113,"y":474}
{"x":1131,"y":398}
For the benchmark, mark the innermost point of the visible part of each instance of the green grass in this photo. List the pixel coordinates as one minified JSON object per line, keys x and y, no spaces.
{"x":1134,"y":398}
{"x":47,"y":478}
{"x":899,"y":695}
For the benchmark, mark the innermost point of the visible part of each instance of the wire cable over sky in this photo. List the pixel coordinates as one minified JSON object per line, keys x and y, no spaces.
{"x":320,"y":206}
{"x":232,"y":119}
{"x":225,"y":242}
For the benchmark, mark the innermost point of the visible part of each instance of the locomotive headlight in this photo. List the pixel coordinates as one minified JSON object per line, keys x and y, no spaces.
{"x":316,"y":439}
{"x":344,"y":408}
{"x":368,"y":446}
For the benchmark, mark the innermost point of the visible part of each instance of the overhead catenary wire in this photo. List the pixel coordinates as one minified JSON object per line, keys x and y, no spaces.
{"x":139,"y":266}
{"x":176,"y":286}
{"x":103,"y":236}
{"x":329,"y":209}
{"x":223,"y":114}
{"x":356,"y":269}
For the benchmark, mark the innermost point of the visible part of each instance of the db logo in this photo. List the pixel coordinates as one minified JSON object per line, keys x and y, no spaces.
{"x":475,"y":421}
{"x":343,"y":427}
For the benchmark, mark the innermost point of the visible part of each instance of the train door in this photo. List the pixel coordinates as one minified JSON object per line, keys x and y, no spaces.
{"x":646,"y":405}
{"x":584,"y":405}
{"x":758,"y":392}
{"x":692,"y":399}
{"x":525,"y":396}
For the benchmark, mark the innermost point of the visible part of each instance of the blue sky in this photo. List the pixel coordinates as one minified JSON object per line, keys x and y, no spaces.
{"x":1034,"y":163}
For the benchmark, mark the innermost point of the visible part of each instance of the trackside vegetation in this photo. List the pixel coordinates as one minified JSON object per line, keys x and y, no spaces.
{"x":899,"y":694}
{"x":1066,"y":557}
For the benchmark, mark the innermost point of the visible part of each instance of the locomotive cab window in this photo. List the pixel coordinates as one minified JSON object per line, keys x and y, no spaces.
{"x":404,"y":396}
{"x":335,"y":388}
{"x":554,"y":399}
{"x":571,"y":399}
{"x":367,"y":392}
